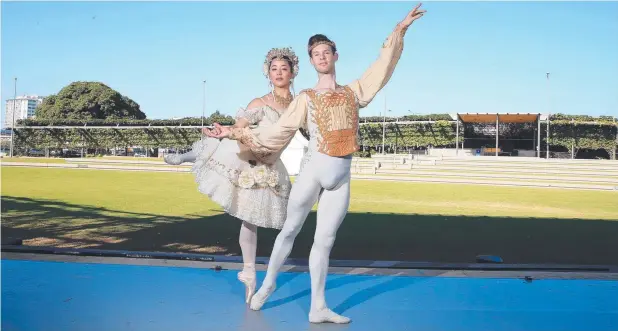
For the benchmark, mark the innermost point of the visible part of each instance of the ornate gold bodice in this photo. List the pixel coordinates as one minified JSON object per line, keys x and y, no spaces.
{"x":335,"y":113}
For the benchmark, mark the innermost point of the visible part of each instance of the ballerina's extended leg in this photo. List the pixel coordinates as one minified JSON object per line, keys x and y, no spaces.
{"x":176,"y":159}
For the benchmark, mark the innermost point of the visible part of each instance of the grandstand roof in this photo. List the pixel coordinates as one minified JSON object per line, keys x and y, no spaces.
{"x":502,"y":118}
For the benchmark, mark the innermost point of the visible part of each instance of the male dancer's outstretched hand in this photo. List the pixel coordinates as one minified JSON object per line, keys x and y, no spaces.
{"x":413,"y":15}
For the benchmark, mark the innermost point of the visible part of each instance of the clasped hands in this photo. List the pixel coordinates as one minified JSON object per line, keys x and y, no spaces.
{"x":218,"y":131}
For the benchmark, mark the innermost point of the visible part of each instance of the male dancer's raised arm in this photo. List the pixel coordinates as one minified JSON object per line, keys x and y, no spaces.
{"x":375,"y":78}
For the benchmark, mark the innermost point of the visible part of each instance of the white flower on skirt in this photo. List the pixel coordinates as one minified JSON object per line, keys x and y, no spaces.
{"x":260,"y":174}
{"x":273,"y":179}
{"x":245,"y":179}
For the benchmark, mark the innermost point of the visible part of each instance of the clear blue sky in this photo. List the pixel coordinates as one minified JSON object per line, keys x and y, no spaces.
{"x":460,"y":57}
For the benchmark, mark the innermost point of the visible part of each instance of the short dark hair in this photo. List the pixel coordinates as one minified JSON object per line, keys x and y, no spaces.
{"x":320,"y":38}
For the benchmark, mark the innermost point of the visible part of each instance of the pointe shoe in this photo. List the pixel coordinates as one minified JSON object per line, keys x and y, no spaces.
{"x":173,"y":159}
{"x":260,"y":297}
{"x":249,"y":282}
{"x":326,"y":315}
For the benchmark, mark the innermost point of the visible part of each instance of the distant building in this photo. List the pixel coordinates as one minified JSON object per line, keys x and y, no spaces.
{"x":22,"y":108}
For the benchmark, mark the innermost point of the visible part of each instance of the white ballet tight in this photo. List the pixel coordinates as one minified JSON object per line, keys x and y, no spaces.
{"x":328,"y":179}
{"x":248,"y":245}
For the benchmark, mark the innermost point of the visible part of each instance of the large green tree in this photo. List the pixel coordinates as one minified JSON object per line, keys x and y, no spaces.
{"x":88,"y":100}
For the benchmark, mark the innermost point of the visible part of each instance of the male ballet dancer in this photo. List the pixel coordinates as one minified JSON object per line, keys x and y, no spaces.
{"x":330,"y":111}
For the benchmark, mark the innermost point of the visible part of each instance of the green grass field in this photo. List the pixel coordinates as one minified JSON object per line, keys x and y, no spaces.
{"x":63,"y":160}
{"x":32,"y":159}
{"x":387,"y":220}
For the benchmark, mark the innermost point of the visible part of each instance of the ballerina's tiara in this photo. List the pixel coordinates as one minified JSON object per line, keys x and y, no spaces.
{"x":285,"y":53}
{"x":322,"y":42}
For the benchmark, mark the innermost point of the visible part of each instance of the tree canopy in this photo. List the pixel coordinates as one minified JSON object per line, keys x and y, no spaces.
{"x":88,"y":100}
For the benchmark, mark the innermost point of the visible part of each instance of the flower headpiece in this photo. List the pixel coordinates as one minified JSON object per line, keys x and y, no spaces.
{"x":281,"y":54}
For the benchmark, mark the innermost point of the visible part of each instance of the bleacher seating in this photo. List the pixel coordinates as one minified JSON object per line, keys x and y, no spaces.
{"x":520,"y":171}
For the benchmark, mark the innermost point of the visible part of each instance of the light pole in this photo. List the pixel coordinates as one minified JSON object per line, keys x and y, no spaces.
{"x":384,"y":124}
{"x":413,"y":119}
{"x":203,"y":103}
{"x":13,"y":116}
{"x":615,"y":158}
{"x":548,"y":116}
{"x":616,"y":138}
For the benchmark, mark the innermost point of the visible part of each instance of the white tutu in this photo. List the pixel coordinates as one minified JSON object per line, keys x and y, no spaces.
{"x":245,"y":188}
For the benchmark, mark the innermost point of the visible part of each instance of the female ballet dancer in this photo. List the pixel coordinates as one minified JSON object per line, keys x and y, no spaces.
{"x":232,"y":177}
